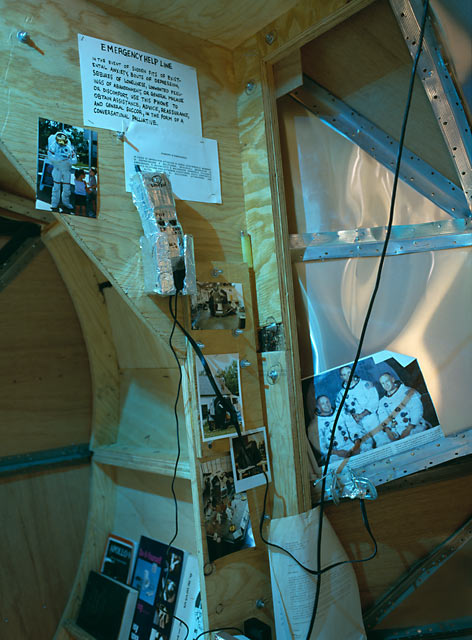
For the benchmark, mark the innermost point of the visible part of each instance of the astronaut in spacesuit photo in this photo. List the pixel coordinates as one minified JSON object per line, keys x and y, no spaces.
{"x":401,"y":409}
{"x":361,"y":403}
{"x":61,"y":155}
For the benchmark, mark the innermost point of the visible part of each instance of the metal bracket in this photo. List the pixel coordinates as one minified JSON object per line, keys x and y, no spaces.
{"x":417,"y":574}
{"x":414,"y":171}
{"x":440,"y":90}
{"x":27,"y":462}
{"x":355,"y":243}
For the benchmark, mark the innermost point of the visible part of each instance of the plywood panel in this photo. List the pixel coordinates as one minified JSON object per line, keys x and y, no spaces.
{"x":257,"y":192}
{"x":147,"y":411}
{"x":113,"y":239}
{"x":82,"y":279}
{"x":137,"y":347}
{"x":144,"y":506}
{"x":42,"y":535}
{"x":407,"y":524}
{"x":100,"y":523}
{"x":44,"y":370}
{"x":222,"y":22}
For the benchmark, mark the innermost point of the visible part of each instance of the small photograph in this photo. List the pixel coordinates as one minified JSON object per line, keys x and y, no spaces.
{"x":387,"y":401}
{"x":146,"y":580}
{"x":249,"y":457}
{"x":225,"y":512}
{"x":67,"y":171}
{"x":218,"y":305}
{"x":215,"y":419}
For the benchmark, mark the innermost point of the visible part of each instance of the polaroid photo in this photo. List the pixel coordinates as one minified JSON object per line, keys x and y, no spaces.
{"x":67,"y":170}
{"x":225,"y":512}
{"x":218,"y":305}
{"x":215,"y":420}
{"x":250,"y":459}
{"x":387,"y":409}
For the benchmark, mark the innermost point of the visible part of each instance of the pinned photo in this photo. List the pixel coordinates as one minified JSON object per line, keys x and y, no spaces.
{"x":250,"y":461}
{"x":218,"y":305}
{"x":67,"y":173}
{"x":225,"y":512}
{"x":215,"y":419}
{"x":387,"y":406}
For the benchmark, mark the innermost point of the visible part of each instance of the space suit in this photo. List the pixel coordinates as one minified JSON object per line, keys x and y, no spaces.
{"x":61,"y":155}
{"x":343,"y":437}
{"x":403,"y":409}
{"x":362,"y":397}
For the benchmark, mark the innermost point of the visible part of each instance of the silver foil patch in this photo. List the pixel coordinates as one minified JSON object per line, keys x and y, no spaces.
{"x":164,"y":247}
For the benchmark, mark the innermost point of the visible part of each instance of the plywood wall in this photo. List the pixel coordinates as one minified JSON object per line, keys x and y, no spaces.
{"x":52,"y":86}
{"x":45,"y":390}
{"x":43,"y":525}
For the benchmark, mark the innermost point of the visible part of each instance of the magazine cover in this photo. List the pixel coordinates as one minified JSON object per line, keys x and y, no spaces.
{"x":167,"y":587}
{"x":387,"y":411}
{"x":118,"y":559}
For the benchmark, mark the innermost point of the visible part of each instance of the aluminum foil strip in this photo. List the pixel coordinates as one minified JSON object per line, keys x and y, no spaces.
{"x":158,"y":275}
{"x":190,"y":282}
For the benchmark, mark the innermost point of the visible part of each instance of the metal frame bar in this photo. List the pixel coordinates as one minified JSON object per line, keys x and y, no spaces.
{"x":49,"y":458}
{"x":440,"y":89}
{"x":368,"y":242}
{"x":417,"y":574}
{"x":461,"y":628}
{"x":413,"y":170}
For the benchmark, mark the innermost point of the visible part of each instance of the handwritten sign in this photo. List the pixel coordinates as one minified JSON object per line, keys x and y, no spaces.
{"x":121,"y":85}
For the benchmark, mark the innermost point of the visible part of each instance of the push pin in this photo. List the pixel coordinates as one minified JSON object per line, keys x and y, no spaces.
{"x":216,"y":272}
{"x":244,"y":363}
{"x":200,"y":345}
{"x":237,"y":332}
{"x":25,"y":38}
{"x":122,"y":137}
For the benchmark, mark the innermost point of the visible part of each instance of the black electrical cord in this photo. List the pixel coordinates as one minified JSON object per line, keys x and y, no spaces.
{"x":226,"y":403}
{"x":316,"y":572}
{"x":185,"y":625}
{"x":203,"y":633}
{"x":370,"y":307}
{"x":173,"y":313}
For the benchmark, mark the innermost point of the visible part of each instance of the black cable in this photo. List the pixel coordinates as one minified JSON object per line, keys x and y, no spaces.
{"x":184,"y":623}
{"x":226,"y":403}
{"x":179,"y":386}
{"x":316,"y":572}
{"x":369,"y":309}
{"x":203,"y":633}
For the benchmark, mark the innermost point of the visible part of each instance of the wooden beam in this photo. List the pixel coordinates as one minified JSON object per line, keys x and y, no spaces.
{"x":23,"y":207}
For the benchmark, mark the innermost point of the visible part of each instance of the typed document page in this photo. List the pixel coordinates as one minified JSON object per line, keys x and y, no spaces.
{"x":339,"y":612}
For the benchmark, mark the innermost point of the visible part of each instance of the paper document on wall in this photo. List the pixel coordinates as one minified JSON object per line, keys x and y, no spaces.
{"x":121,"y":84}
{"x":293,"y":589}
{"x":191,"y":162}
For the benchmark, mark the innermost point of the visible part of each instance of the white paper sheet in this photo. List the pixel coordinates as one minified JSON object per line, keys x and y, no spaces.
{"x":121,"y":84}
{"x":293,"y":589}
{"x":190,"y":162}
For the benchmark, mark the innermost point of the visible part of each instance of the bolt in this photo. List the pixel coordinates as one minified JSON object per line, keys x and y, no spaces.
{"x":250,"y":86}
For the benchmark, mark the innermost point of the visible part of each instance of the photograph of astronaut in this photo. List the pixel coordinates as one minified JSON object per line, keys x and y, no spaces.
{"x":215,"y":419}
{"x":218,"y":305}
{"x":249,"y":457}
{"x":67,"y":172}
{"x":387,"y":402}
{"x":225,"y":512}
